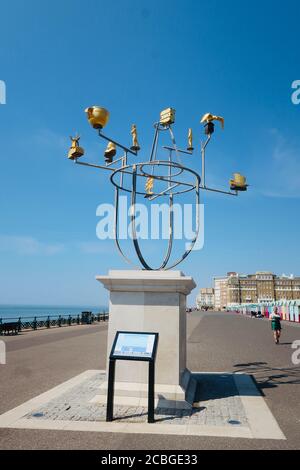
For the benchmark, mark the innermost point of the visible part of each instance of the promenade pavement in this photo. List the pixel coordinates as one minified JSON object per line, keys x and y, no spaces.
{"x":217,"y":342}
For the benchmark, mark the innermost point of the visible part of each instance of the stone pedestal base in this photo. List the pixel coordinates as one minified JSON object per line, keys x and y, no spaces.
{"x":151,"y":301}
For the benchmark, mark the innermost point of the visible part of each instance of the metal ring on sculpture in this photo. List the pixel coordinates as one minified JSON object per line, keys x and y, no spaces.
{"x":162,"y":163}
{"x":128,"y":169}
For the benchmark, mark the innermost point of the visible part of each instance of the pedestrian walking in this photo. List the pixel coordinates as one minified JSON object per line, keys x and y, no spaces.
{"x":276,"y":324}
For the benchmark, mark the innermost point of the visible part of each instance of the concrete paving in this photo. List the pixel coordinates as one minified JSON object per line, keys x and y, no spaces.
{"x":217,"y":342}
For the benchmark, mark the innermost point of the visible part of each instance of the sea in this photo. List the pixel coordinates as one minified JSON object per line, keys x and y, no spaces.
{"x":28,"y":312}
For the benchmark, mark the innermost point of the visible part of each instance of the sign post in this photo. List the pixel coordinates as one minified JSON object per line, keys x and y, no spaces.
{"x":132,"y":346}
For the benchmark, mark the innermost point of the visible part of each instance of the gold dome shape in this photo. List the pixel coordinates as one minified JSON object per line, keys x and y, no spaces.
{"x":97,"y":117}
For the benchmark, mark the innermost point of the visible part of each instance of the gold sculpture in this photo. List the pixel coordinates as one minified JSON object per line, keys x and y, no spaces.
{"x":210,"y":117}
{"x":110,"y":152}
{"x":149,"y":186}
{"x":98,"y":117}
{"x":167,"y":116}
{"x":190,"y":147}
{"x":238,"y":182}
{"x":135,"y":145}
{"x":75,"y":151}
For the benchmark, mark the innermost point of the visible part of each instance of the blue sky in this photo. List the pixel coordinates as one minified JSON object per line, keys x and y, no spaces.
{"x":136,"y":58}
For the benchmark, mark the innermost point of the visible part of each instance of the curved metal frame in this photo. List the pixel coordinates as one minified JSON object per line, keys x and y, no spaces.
{"x":134,"y":193}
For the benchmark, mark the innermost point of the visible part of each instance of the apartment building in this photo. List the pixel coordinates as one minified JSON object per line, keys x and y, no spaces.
{"x":205,"y":298}
{"x":260,"y":287}
{"x":220,"y":291}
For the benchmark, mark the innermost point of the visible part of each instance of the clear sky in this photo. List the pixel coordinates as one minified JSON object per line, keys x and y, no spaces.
{"x":135,"y":57}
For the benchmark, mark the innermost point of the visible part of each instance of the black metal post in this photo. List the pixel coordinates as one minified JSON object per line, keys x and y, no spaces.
{"x":110,"y":391}
{"x":151,"y":380}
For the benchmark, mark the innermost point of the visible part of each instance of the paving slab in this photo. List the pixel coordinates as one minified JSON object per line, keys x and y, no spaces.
{"x":227,"y":405}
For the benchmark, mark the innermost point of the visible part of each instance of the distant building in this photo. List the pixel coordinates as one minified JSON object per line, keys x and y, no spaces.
{"x":220,"y":288}
{"x":252,"y":288}
{"x":205,"y":298}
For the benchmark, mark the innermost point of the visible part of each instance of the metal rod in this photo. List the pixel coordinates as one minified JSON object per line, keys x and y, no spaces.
{"x":116,"y":230}
{"x":95,"y":166}
{"x":163,"y":178}
{"x":134,"y":237}
{"x":115,"y":161}
{"x":203,"y":168}
{"x":174,"y":144}
{"x":117,"y":143}
{"x":219,"y":191}
{"x":178,"y":150}
{"x":203,"y":147}
{"x":154,"y":143}
{"x":110,"y":391}
{"x":188,"y":251}
{"x":162,"y":192}
{"x":171,"y":234}
{"x":124,"y":163}
{"x":151,"y":381}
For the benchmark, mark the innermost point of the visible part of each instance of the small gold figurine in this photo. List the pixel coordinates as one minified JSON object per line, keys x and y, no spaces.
{"x":75,"y":151}
{"x":167,"y":117}
{"x":238,"y":183}
{"x":135,"y":145}
{"x":110,"y":152}
{"x":210,"y":117}
{"x":209,"y":126}
{"x":149,"y":186}
{"x":190,"y":147}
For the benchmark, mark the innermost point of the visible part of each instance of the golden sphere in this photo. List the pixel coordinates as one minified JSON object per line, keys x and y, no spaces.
{"x":97,"y":117}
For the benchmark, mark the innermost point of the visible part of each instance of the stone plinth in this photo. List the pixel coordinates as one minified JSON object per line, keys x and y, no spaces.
{"x":150,"y":301}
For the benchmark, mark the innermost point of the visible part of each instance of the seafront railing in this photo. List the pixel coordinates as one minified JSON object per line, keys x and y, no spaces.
{"x":48,"y":321}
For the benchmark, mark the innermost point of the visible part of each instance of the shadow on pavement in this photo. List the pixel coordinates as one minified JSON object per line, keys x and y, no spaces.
{"x":267,"y":377}
{"x":217,"y":386}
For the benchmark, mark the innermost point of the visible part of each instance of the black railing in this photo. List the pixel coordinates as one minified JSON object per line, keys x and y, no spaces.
{"x":34,"y":323}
